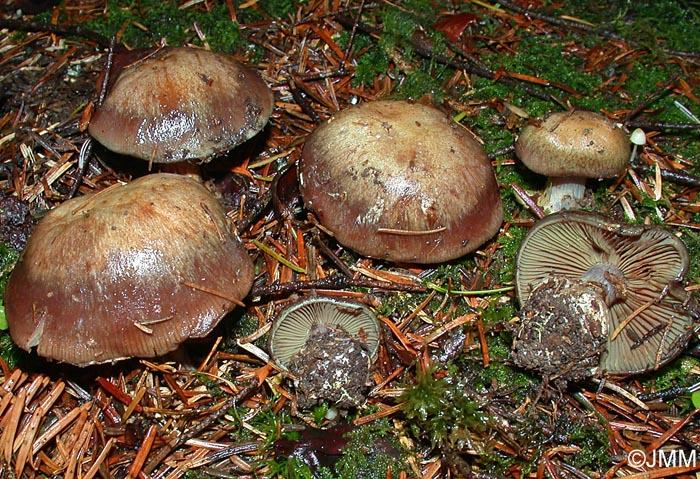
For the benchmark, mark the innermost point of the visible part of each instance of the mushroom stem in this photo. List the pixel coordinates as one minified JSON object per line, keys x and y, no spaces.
{"x":562,"y":193}
{"x":638,"y":138}
{"x":610,"y":279}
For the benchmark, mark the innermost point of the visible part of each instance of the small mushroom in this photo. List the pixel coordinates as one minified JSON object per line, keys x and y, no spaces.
{"x":639,"y":271}
{"x":400,"y":181}
{"x":131,"y":271}
{"x":570,"y":147}
{"x":182,"y":104}
{"x":327,"y":345}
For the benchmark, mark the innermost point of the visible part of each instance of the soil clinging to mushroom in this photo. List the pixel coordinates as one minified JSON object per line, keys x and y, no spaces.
{"x":333,"y":366}
{"x":563,"y":330}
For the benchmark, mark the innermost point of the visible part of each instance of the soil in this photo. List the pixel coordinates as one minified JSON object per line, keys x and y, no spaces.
{"x":563,"y":330}
{"x":333,"y":366}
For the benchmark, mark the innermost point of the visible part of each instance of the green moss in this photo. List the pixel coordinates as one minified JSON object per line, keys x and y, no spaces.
{"x":280,"y":9}
{"x":394,"y":304}
{"x":427,"y":79}
{"x":240,"y":327}
{"x":508,"y":245}
{"x":438,"y":407}
{"x":374,"y":62}
{"x":8,"y":258}
{"x":416,"y":76}
{"x":371,"y":452}
{"x":400,"y":23}
{"x":362,"y":459}
{"x":692,"y":241}
{"x":594,"y":442}
{"x":507,"y":378}
{"x":9,"y":351}
{"x":165,"y":20}
{"x":676,"y":373}
{"x":659,"y":23}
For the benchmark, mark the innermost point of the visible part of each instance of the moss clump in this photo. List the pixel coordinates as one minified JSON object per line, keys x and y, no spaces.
{"x":165,"y":20}
{"x":681,"y":372}
{"x":692,"y":241}
{"x":439,"y":407}
{"x":373,"y":63}
{"x":371,"y":451}
{"x":593,"y":440}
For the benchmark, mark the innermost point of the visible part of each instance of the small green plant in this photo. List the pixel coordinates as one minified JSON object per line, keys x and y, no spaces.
{"x":439,"y":406}
{"x":695,"y":399}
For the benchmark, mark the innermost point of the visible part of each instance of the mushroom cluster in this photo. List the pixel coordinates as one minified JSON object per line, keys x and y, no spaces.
{"x":570,"y":147}
{"x":327,"y":345}
{"x":181,"y":103}
{"x":636,"y":273}
{"x":400,"y":181}
{"x":131,"y":271}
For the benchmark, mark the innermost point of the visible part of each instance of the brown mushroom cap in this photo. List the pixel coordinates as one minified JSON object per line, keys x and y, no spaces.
{"x":640,"y":270}
{"x":574,"y":143}
{"x":182,"y":104}
{"x":400,"y":181}
{"x":131,"y":271}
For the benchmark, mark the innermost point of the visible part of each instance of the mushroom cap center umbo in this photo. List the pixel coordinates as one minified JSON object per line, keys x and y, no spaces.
{"x":400,"y":181}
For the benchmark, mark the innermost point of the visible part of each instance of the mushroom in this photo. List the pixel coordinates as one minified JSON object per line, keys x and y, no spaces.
{"x":131,"y":271}
{"x":638,"y":270}
{"x":569,"y":147}
{"x":327,"y":345}
{"x":400,"y":181}
{"x":182,"y":104}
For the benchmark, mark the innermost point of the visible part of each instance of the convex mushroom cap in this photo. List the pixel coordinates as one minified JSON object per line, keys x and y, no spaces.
{"x":569,"y":147}
{"x":131,"y":271}
{"x":400,"y":181}
{"x":639,"y":271}
{"x":182,"y":104}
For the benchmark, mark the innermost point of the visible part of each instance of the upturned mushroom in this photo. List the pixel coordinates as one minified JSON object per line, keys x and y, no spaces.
{"x":569,"y":148}
{"x":400,"y":181}
{"x":131,"y":271}
{"x":180,"y":104}
{"x":639,"y":272}
{"x":327,"y":345}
